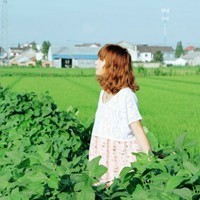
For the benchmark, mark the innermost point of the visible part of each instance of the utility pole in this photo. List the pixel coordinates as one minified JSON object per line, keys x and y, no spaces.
{"x":165,"y":18}
{"x":4,"y":30}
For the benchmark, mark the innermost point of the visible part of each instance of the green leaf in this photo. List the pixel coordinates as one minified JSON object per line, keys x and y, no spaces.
{"x":15,"y":195}
{"x":3,"y":182}
{"x":188,"y":165}
{"x":180,"y":140}
{"x":66,"y":196}
{"x":78,"y":186}
{"x":14,"y":156}
{"x":125,"y":171}
{"x":24,"y":164}
{"x":153,"y":140}
{"x":53,"y":181}
{"x":36,"y":188}
{"x":46,"y":111}
{"x":184,"y":193}
{"x":96,"y":170}
{"x":38,"y":177}
{"x":174,"y":181}
{"x":86,"y":194}
{"x":119,"y":195}
{"x":2,"y":117}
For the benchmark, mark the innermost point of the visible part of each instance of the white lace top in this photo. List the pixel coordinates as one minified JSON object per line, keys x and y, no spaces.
{"x":113,"y":118}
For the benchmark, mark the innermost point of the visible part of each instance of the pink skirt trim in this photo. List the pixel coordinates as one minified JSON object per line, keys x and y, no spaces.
{"x":115,"y":155}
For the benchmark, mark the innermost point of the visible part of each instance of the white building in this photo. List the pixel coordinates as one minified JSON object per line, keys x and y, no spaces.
{"x":71,"y":57}
{"x":192,"y":58}
{"x":145,"y":52}
{"x":132,"y":49}
{"x":176,"y":62}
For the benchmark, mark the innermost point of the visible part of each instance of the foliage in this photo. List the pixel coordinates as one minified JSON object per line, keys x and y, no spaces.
{"x":168,"y":173}
{"x":158,"y":56}
{"x":141,"y":70}
{"x":45,"y":48}
{"x":179,"y":50}
{"x":40,"y":147}
{"x":34,"y":46}
{"x":43,"y":153}
{"x":39,"y":63}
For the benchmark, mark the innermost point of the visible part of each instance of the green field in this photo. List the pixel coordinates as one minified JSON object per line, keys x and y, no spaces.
{"x":168,"y":100}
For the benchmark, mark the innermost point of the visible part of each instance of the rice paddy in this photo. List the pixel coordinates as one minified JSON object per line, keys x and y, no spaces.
{"x":170,"y":104}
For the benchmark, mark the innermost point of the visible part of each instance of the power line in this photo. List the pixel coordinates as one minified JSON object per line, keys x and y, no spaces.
{"x":4,"y":30}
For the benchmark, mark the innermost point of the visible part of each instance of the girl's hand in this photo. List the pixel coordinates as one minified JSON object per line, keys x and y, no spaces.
{"x":141,"y":136}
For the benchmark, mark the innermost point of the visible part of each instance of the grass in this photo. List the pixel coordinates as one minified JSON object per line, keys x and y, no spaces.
{"x":169,"y":104}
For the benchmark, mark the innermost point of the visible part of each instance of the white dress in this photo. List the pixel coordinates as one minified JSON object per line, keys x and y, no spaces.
{"x":112,"y":137}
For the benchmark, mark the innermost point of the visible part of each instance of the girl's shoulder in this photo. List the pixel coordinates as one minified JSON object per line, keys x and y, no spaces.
{"x":128,"y":94}
{"x":127,"y":91}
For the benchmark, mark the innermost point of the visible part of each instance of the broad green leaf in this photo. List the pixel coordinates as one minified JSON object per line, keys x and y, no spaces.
{"x":119,"y":195}
{"x":184,"y":193}
{"x":193,"y":179}
{"x":66,"y":196}
{"x":38,"y":177}
{"x":174,"y":181}
{"x":86,"y":194}
{"x":180,"y":140}
{"x":125,"y":171}
{"x":24,"y":164}
{"x":14,"y":156}
{"x":3,"y":182}
{"x":36,"y":187}
{"x":153,"y":140}
{"x":46,"y":111}
{"x":96,"y":170}
{"x":2,"y":117}
{"x":53,"y":182}
{"x":15,"y":195}
{"x":188,"y":165}
{"x":78,"y":186}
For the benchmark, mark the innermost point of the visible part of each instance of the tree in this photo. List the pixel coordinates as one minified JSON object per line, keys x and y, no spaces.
{"x":158,"y":56}
{"x":45,"y":48}
{"x":179,"y":50}
{"x":34,"y":46}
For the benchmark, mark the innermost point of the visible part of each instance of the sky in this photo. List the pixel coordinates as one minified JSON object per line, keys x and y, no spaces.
{"x":69,"y":22}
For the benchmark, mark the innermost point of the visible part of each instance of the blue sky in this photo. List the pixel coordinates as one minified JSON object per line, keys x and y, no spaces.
{"x":66,"y":22}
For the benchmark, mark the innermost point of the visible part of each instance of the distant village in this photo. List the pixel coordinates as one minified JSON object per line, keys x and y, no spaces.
{"x":84,"y":55}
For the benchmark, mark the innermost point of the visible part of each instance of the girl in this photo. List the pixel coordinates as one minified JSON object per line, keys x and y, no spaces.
{"x":117,"y":130}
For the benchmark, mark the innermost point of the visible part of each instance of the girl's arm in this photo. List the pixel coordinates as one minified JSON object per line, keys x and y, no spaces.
{"x":141,"y":136}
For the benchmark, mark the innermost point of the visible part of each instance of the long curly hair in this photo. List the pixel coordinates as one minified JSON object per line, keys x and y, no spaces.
{"x":117,"y":71}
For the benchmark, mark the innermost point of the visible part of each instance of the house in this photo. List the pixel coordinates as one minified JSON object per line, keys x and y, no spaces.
{"x":3,"y":53}
{"x":189,"y":48}
{"x":192,"y":58}
{"x":145,"y":52}
{"x":88,"y":45}
{"x":16,"y":51}
{"x":71,"y":57}
{"x":26,"y":58}
{"x":132,"y":49}
{"x":167,"y":51}
{"x":176,"y":62}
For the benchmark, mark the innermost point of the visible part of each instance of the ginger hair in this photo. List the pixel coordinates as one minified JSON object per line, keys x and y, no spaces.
{"x":117,"y":71}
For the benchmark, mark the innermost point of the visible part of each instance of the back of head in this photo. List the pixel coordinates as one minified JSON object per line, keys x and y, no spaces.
{"x":118,"y":72}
